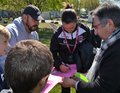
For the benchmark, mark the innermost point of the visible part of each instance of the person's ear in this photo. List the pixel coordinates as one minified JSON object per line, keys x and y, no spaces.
{"x":110,"y":22}
{"x":110,"y":25}
{"x":41,"y":84}
{"x":24,"y":17}
{"x":43,"y":80}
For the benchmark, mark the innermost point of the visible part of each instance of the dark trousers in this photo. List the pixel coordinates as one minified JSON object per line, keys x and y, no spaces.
{"x":65,"y":90}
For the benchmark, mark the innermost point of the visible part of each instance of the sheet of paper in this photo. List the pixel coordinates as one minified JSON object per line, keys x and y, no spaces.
{"x":56,"y":77}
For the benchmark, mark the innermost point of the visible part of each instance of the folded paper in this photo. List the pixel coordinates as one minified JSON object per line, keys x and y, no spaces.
{"x":56,"y":77}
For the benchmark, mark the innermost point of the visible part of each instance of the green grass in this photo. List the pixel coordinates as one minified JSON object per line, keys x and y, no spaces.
{"x":57,"y":89}
{"x":45,"y":36}
{"x":47,"y":25}
{"x":44,"y":25}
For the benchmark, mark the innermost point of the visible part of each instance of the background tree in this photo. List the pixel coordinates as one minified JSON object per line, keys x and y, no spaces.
{"x":89,"y":4}
{"x":47,"y":5}
{"x":17,"y":5}
{"x":55,"y":5}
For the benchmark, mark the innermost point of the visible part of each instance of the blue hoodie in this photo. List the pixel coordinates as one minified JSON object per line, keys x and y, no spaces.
{"x":18,"y":32}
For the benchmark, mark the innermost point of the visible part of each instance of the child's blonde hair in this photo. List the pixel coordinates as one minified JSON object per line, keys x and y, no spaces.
{"x":4,"y":32}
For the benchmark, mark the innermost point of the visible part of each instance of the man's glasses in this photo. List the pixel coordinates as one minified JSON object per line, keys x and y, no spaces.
{"x":96,"y":26}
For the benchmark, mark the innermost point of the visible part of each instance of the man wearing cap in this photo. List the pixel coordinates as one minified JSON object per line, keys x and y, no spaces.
{"x":25,"y":27}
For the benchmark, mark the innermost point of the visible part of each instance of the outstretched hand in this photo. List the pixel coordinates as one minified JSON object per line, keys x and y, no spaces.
{"x":68,"y":82}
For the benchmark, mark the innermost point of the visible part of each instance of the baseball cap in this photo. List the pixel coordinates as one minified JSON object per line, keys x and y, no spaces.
{"x":33,"y":11}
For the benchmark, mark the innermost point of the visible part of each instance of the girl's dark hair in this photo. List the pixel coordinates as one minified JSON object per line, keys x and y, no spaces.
{"x":69,"y":16}
{"x":68,"y":6}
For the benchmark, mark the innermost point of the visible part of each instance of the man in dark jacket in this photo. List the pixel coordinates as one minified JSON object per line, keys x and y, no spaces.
{"x":104,"y":74}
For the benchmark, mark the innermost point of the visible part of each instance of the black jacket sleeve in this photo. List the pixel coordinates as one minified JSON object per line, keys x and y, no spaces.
{"x":54,"y":47}
{"x":86,"y":56}
{"x":85,"y":51}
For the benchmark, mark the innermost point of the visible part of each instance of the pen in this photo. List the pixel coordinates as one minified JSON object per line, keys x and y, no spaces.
{"x":66,"y":65}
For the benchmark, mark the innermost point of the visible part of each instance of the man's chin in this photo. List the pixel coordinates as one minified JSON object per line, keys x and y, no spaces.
{"x":33,"y":29}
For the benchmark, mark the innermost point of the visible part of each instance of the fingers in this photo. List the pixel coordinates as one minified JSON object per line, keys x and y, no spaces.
{"x":68,"y":82}
{"x":75,"y":78}
{"x":64,"y":68}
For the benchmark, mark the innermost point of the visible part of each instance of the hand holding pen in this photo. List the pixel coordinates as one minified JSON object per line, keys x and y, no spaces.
{"x":64,"y":67}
